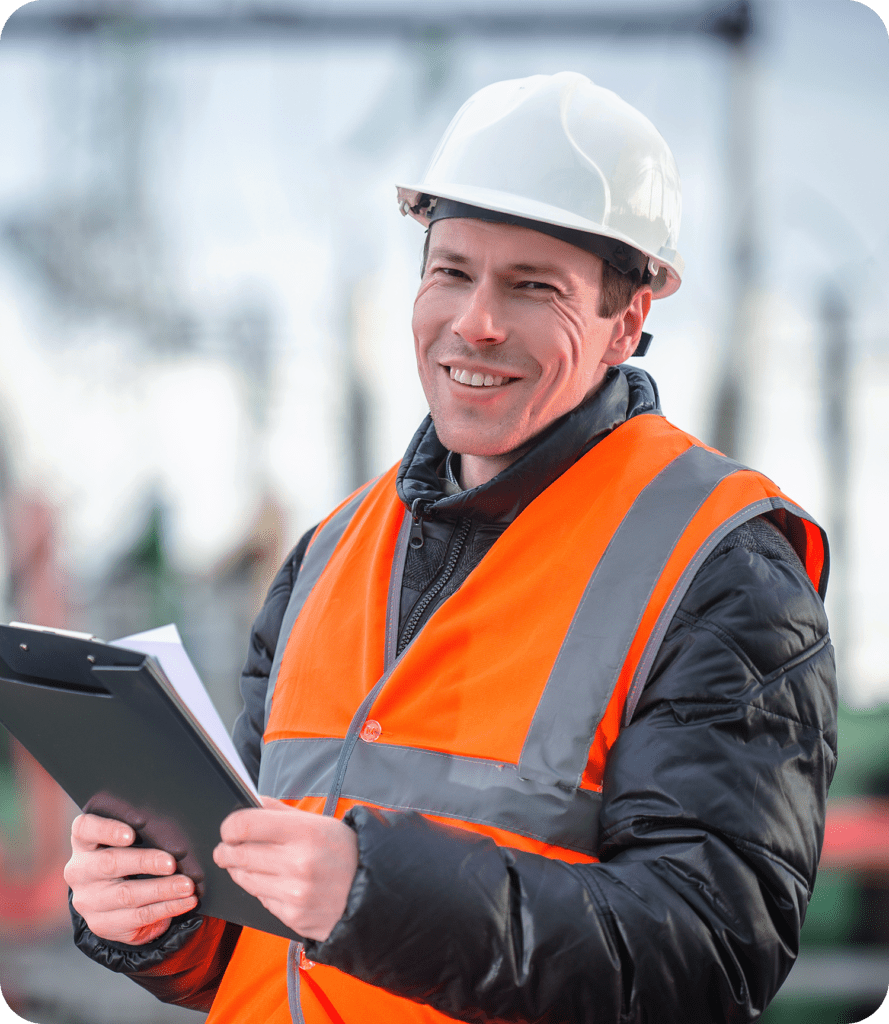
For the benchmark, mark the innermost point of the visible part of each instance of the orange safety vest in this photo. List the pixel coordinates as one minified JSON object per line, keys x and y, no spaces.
{"x":500,"y":714}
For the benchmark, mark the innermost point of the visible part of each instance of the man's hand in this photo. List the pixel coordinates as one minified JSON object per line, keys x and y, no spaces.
{"x":114,"y":905}
{"x":300,"y":866}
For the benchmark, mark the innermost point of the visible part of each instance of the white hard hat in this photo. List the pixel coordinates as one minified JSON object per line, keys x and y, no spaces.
{"x":559,"y":150}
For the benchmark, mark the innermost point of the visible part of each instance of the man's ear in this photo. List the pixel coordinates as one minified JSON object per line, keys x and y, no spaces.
{"x":628,"y":329}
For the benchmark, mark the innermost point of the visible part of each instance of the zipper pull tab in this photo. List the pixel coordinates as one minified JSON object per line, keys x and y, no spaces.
{"x":416,"y":536}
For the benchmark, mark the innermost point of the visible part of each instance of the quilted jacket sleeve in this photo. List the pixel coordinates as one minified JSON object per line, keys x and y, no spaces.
{"x":710,"y":832}
{"x":186,"y":964}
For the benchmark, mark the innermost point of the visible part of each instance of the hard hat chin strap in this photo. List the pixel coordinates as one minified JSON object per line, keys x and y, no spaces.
{"x":624,"y":258}
{"x":642,"y":347}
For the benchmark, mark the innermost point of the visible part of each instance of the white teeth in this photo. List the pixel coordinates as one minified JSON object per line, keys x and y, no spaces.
{"x":476,"y":380}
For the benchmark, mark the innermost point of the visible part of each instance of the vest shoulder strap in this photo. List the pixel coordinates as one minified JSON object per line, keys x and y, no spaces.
{"x":324,"y":541}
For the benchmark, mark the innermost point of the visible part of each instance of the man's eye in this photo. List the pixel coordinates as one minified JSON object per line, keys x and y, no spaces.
{"x":451,"y":272}
{"x":537,"y":286}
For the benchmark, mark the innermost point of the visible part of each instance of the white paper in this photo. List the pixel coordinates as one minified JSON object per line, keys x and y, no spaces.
{"x":165,"y":644}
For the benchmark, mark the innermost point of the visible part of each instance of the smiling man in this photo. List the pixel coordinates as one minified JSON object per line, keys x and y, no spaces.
{"x":506,"y":346}
{"x":545,"y":716}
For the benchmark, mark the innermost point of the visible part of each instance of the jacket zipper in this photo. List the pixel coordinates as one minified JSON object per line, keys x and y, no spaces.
{"x":410,"y":627}
{"x":417,"y":509}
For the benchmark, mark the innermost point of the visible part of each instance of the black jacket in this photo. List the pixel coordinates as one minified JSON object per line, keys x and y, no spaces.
{"x":713,"y":802}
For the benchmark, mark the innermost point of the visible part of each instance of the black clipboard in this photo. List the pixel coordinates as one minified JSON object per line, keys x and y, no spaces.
{"x":110,"y":729}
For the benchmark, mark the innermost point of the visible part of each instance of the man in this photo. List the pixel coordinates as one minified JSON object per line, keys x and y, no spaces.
{"x":552,"y":703}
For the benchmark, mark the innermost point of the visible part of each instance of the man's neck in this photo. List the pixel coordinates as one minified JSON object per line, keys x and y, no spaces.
{"x":476,"y":470}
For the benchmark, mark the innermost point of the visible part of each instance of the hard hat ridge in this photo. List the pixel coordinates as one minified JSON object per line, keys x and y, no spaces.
{"x":559,"y":150}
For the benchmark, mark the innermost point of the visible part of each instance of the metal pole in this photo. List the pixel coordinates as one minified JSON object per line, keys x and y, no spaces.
{"x":731,"y":405}
{"x":835,"y":391}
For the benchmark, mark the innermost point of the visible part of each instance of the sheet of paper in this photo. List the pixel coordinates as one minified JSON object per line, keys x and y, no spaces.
{"x":165,"y":644}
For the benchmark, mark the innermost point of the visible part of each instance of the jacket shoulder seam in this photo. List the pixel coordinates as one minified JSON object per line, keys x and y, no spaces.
{"x":729,"y":641}
{"x":726,"y":638}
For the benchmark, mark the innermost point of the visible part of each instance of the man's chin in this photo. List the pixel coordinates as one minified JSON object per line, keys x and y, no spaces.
{"x":482,"y":448}
{"x":504,"y":454}
{"x":473,"y":440}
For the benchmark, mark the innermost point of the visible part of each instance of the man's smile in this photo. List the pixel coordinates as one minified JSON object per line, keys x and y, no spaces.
{"x":478,"y":378}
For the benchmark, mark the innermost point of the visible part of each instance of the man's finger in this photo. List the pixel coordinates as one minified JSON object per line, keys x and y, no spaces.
{"x":129,"y":919}
{"x":133,"y":893}
{"x":143,"y":892}
{"x":265,"y":825}
{"x":248,"y":856}
{"x":118,"y":862}
{"x":89,"y":831}
{"x":108,"y":864}
{"x":266,"y":888}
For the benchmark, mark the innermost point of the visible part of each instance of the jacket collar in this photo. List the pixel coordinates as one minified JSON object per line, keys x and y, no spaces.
{"x":626,"y":392}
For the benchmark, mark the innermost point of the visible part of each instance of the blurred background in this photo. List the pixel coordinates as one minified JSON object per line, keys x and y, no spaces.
{"x":205,"y":299}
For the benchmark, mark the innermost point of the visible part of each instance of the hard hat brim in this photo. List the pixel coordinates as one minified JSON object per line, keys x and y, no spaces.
{"x":410,"y":200}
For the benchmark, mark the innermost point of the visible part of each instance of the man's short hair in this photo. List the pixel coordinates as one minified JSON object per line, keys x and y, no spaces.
{"x":617,"y":289}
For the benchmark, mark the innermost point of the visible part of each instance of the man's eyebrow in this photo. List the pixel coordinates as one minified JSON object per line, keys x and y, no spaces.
{"x":535,"y":268}
{"x":448,"y":254}
{"x":452,"y":256}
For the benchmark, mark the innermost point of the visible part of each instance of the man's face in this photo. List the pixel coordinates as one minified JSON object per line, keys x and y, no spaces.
{"x":507,"y":333}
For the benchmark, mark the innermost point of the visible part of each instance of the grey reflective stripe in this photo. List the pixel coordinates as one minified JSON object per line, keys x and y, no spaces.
{"x":592,"y":655}
{"x":294,"y":768}
{"x":757,"y":508}
{"x":313,"y":564}
{"x":464,"y":788}
{"x":293,"y":1000}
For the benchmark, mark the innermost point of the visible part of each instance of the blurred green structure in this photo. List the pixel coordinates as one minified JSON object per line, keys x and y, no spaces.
{"x":843,"y":970}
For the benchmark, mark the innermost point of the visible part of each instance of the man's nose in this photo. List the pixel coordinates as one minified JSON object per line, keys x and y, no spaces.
{"x":479,"y":321}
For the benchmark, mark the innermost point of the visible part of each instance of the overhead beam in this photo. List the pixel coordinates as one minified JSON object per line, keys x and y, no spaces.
{"x":293,"y":22}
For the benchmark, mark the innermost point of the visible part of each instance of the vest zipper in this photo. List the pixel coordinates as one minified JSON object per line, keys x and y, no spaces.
{"x":410,"y":627}
{"x":393,"y":604}
{"x":293,"y":982}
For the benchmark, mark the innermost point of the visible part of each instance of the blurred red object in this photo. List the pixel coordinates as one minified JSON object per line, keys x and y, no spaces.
{"x":35,"y":846}
{"x":33,"y":893}
{"x":856,"y":836}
